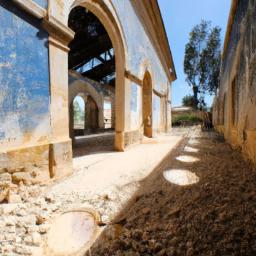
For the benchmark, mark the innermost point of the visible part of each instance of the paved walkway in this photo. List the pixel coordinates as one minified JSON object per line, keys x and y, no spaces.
{"x":104,"y":171}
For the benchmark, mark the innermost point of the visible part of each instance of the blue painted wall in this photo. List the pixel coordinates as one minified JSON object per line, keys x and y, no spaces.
{"x":42,"y":3}
{"x":24,"y":72}
{"x":134,"y":95}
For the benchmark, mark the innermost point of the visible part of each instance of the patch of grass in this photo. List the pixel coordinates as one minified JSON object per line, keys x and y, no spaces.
{"x":186,"y":119}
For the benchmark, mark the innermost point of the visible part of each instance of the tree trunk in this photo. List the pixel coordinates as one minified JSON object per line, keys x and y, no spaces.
{"x":195,"y":92}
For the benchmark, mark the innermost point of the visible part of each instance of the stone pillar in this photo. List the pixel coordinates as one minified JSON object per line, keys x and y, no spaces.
{"x":60,"y":155}
{"x":71,"y":121}
{"x":101,"y":114}
{"x":113,"y":113}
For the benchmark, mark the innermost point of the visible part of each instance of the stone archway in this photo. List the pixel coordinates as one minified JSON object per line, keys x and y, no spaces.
{"x":147,"y":92}
{"x":91,"y":116}
{"x":110,"y":23}
{"x":77,"y":115}
{"x":85,"y":88}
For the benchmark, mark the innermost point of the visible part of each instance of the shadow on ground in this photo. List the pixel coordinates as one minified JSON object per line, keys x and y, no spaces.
{"x":211,"y":212}
{"x":93,"y":144}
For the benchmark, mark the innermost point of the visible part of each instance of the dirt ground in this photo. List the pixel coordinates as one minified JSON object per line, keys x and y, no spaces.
{"x":103,"y":181}
{"x":208,"y":206}
{"x":200,"y":200}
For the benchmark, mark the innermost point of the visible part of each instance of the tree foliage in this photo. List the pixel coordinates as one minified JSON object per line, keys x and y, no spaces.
{"x":202,"y":60}
{"x":189,"y":101}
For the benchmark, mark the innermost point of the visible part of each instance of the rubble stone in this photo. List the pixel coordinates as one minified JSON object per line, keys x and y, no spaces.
{"x":5,"y":177}
{"x":13,"y":198}
{"x":24,"y":177}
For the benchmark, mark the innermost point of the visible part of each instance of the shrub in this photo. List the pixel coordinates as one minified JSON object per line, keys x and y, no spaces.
{"x":186,"y":119}
{"x":189,"y":101}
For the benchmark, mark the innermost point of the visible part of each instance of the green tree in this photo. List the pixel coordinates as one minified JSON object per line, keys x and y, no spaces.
{"x":77,"y":112}
{"x":202,"y":60}
{"x":189,"y":101}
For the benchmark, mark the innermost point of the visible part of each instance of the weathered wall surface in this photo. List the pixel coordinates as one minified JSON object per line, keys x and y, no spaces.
{"x":140,"y":53}
{"x":34,"y":118}
{"x":141,"y":56}
{"x":136,"y":106}
{"x":24,"y":96}
{"x":157,"y":113}
{"x":24,"y":81}
{"x":235,"y":104}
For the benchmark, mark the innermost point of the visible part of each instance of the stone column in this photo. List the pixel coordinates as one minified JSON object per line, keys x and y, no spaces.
{"x":101,"y":113}
{"x":60,"y":156}
{"x":113,"y":113}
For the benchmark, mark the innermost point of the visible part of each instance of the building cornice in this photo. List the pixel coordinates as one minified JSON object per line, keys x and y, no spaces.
{"x":58,"y":30}
{"x":61,"y":35}
{"x":229,"y":26}
{"x":32,"y":8}
{"x":150,"y":15}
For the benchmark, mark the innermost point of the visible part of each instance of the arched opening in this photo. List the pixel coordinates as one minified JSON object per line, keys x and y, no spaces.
{"x":78,"y":106}
{"x":147,"y":105}
{"x":92,"y":60}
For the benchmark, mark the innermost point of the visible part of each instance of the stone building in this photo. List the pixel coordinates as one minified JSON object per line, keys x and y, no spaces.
{"x":45,"y":45}
{"x":235,"y":103}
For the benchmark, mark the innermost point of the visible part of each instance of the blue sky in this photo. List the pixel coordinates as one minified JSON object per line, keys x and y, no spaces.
{"x":179,"y":17}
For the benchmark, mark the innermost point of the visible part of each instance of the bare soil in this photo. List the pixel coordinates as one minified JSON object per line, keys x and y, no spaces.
{"x":215,"y":216}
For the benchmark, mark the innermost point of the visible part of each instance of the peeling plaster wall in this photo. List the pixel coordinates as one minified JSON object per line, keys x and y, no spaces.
{"x":136,"y":106}
{"x":24,"y":79}
{"x":156,"y":113}
{"x":34,"y":134}
{"x":141,"y":53}
{"x":141,"y":57}
{"x":239,"y":68}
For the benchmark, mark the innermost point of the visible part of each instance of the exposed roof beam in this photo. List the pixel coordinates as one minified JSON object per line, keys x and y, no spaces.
{"x":89,"y":51}
{"x":101,"y":70}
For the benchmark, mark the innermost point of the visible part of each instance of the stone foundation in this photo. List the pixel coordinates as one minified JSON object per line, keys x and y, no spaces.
{"x":60,"y":162}
{"x":132,"y":137}
{"x":245,"y":143}
{"x":33,"y":165}
{"x":29,"y":165}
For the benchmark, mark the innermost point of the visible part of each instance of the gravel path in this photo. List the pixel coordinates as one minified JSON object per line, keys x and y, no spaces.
{"x":214,"y":215}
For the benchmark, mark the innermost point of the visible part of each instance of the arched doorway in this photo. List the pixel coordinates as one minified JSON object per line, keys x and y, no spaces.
{"x":92,"y":58}
{"x":112,"y":25}
{"x":84,"y":116}
{"x":147,"y":105}
{"x":78,"y":106}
